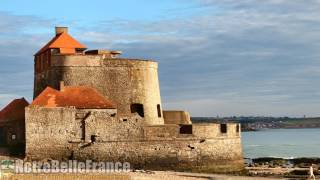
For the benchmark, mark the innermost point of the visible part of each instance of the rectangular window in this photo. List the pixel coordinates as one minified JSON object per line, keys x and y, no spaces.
{"x":137,"y":108}
{"x":83,"y":130}
{"x":223,"y":128}
{"x":238,"y":128}
{"x":185,"y":129}
{"x":159,"y":110}
{"x":13,"y":137}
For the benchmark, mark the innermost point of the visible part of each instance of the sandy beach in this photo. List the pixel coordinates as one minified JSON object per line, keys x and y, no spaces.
{"x":161,"y":175}
{"x":154,"y":175}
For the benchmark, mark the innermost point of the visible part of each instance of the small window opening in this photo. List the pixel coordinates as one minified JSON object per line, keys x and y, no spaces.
{"x":93,"y":138}
{"x":223,"y":128}
{"x":124,"y":120}
{"x":159,"y":110}
{"x":13,"y":137}
{"x":186,"y":129}
{"x":137,"y":108}
{"x":83,"y":130}
{"x":238,"y":128}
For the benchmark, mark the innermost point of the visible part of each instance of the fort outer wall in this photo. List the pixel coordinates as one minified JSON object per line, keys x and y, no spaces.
{"x":123,"y":81}
{"x":176,"y":117}
{"x":54,"y":133}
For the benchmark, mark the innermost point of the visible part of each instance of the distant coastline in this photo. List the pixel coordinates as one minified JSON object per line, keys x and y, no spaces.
{"x":259,"y":123}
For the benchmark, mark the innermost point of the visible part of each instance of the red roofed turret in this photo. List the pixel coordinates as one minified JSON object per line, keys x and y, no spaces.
{"x":62,"y":43}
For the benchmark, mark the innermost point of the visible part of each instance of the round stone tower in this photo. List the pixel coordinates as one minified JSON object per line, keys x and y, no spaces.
{"x":132,"y":84}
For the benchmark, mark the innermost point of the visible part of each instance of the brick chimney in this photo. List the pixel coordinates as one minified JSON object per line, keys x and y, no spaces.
{"x":60,"y":30}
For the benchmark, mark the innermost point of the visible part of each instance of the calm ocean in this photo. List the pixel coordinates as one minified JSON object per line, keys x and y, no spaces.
{"x":285,"y":143}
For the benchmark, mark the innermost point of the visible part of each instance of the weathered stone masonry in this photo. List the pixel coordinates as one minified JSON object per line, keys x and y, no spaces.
{"x":56,"y":134}
{"x":124,"y":81}
{"x":132,"y":128}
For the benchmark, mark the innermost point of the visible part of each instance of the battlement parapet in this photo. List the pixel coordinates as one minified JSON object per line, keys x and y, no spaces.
{"x":99,"y":61}
{"x":192,"y":131}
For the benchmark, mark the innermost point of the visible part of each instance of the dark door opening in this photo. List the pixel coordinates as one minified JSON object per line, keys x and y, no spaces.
{"x":137,"y":108}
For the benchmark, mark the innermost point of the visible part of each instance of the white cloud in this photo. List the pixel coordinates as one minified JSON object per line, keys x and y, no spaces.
{"x":242,"y":57}
{"x":232,"y":57}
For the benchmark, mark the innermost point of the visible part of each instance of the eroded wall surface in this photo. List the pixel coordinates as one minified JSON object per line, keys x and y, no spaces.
{"x":121,"y":135}
{"x":124,"y":81}
{"x":100,"y":135}
{"x":211,"y":155}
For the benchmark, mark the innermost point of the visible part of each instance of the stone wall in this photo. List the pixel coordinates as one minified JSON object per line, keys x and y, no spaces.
{"x":124,"y":81}
{"x":107,"y":128}
{"x":48,"y":132}
{"x":176,"y":117}
{"x":100,"y":135}
{"x":211,"y":155}
{"x":167,"y":131}
{"x":213,"y":130}
{"x":52,"y":130}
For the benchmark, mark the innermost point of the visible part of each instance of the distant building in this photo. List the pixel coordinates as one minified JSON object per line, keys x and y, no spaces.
{"x":12,"y":125}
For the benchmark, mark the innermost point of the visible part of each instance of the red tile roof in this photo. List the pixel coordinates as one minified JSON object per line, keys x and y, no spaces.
{"x":14,"y":110}
{"x":62,"y":41}
{"x":81,"y":97}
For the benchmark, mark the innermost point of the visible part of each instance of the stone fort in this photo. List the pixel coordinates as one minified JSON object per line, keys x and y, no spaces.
{"x":92,"y":104}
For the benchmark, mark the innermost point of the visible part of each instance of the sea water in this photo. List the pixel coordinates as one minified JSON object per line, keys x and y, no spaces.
{"x":284,"y":143}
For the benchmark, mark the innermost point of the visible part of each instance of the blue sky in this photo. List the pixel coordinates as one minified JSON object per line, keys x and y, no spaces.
{"x":217,"y":57}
